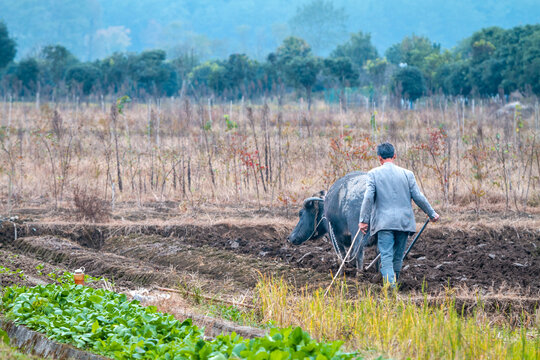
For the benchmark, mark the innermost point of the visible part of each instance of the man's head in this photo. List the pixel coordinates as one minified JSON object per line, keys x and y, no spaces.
{"x":386,"y":152}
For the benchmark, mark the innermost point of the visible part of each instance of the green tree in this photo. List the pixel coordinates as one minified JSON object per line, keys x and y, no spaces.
{"x":210,"y":74}
{"x":56,"y":60}
{"x":320,"y":23}
{"x":481,"y":50}
{"x":84,"y":75}
{"x":7,"y":46}
{"x":504,"y":59}
{"x":487,"y":76}
{"x":454,"y":78}
{"x":342,"y":69}
{"x":170,"y":86}
{"x":409,"y":83}
{"x":394,"y":54}
{"x":114,"y":72}
{"x":376,"y":69}
{"x":273,"y":75}
{"x":28,"y":72}
{"x":358,"y":48}
{"x":412,"y":51}
{"x":185,"y":62}
{"x":419,"y":52}
{"x":151,"y":73}
{"x":344,"y":72}
{"x":531,"y":62}
{"x":239,"y":71}
{"x":292,"y":47}
{"x":302,"y":73}
{"x":298,"y":65}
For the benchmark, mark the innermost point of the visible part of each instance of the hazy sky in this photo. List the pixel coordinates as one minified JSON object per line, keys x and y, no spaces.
{"x":216,"y":28}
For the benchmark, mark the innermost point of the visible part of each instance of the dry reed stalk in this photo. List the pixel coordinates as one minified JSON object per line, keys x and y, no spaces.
{"x":291,"y":164}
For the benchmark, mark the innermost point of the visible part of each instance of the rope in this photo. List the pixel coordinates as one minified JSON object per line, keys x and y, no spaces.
{"x":316,"y":214}
{"x":354,"y":255}
{"x":316,"y":226}
{"x":343,"y":263}
{"x":333,"y":239}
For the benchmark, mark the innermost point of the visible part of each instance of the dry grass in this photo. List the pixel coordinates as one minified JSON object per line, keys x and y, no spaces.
{"x":398,"y":327}
{"x":166,"y":157}
{"x":9,"y":353}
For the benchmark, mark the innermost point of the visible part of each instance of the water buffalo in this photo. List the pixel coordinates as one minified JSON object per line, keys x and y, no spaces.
{"x":336,"y":214}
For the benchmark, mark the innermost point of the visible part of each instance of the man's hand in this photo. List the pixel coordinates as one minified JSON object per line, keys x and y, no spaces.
{"x":364,"y":227}
{"x":435,"y":218}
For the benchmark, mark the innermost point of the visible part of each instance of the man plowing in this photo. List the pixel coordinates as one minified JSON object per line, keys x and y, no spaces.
{"x":387,"y":210}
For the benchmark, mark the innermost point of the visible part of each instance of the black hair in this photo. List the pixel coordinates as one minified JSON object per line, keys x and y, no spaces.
{"x":385,"y":150}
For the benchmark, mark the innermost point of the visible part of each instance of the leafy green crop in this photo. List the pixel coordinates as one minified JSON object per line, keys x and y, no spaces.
{"x":8,"y":271}
{"x":107,"y":323}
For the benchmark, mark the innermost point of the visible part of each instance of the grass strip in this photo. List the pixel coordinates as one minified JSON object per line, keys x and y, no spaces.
{"x":8,"y":353}
{"x":385,"y":323}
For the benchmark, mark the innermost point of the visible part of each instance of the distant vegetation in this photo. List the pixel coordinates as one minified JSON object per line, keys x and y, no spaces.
{"x":492,"y":61}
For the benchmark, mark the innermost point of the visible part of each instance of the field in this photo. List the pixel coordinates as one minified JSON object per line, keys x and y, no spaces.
{"x":201,"y":197}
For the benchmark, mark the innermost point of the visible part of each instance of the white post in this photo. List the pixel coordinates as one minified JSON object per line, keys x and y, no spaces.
{"x":242,"y":111}
{"x":9,"y":115}
{"x":149,"y":121}
{"x":112,"y":196}
{"x":210,"y":110}
{"x":462,"y":116}
{"x":8,"y":147}
{"x":77,"y":110}
{"x":536,"y":120}
{"x":158,"y":122}
{"x":37,"y":99}
{"x":515,"y":125}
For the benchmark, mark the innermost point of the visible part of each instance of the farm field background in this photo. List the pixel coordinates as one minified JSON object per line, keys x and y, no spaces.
{"x":481,"y":157}
{"x":165,"y":149}
{"x":200,"y":197}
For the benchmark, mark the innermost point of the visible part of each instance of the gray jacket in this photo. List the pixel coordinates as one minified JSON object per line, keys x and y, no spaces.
{"x":387,"y":201}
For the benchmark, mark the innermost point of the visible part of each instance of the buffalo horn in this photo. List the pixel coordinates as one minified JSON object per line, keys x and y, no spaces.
{"x":312,"y":199}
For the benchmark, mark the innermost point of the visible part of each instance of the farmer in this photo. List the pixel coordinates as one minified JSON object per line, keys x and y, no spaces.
{"x":387,"y":210}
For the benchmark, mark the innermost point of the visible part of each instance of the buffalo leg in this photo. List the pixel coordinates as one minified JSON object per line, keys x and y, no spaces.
{"x":339,"y":237}
{"x":358,"y":242}
{"x":359,"y":250}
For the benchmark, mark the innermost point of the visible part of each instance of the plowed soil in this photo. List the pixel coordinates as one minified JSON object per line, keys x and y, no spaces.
{"x":229,"y":257}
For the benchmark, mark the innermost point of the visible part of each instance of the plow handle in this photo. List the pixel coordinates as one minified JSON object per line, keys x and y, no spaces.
{"x":415,"y":238}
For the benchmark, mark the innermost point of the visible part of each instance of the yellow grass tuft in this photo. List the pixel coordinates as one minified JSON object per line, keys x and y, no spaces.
{"x":395,"y":326}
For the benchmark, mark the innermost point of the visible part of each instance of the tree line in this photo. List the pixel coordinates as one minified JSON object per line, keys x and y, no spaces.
{"x":492,"y":61}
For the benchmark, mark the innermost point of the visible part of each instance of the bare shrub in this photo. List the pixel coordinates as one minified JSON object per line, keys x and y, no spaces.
{"x":88,"y":205}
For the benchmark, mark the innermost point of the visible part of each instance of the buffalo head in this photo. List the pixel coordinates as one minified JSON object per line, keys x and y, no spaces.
{"x":310,"y":224}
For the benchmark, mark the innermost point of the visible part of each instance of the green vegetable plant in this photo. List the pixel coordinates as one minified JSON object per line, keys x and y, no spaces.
{"x":108,"y":323}
{"x":39,"y":268}
{"x":67,"y":278}
{"x":8,"y":271}
{"x":233,"y":313}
